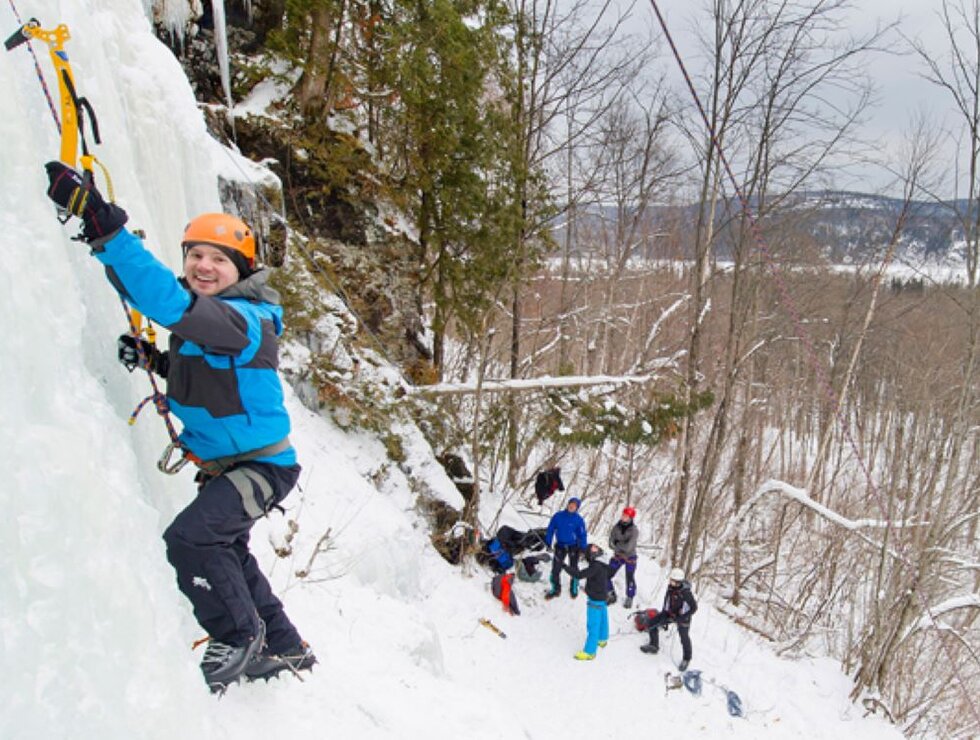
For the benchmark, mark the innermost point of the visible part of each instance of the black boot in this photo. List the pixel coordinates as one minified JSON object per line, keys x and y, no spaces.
{"x":224,"y":664}
{"x":266,"y":664}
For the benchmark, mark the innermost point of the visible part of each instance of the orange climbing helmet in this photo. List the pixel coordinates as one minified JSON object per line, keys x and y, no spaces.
{"x":224,"y":231}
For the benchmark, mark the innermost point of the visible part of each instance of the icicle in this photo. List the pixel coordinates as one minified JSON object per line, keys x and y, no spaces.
{"x":173,"y":15}
{"x":221,"y":46}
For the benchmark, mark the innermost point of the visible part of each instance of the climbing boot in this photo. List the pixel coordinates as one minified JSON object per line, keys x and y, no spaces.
{"x":266,"y":664}
{"x":224,"y":664}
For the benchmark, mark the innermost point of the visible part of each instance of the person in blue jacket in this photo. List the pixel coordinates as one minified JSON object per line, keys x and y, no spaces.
{"x":567,"y":530}
{"x":223,"y":385}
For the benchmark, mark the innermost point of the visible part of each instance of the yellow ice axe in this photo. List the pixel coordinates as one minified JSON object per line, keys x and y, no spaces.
{"x":73,"y":107}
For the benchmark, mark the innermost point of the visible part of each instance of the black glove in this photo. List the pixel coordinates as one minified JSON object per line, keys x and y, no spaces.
{"x":128,"y":349}
{"x":81,"y":198}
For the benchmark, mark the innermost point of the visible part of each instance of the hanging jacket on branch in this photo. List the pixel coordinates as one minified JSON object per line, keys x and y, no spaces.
{"x":546,"y":483}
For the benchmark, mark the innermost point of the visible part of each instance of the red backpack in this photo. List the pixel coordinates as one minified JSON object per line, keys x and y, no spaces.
{"x":643,"y":618}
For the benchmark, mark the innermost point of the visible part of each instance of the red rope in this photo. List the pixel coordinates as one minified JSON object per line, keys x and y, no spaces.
{"x":40,"y":74}
{"x":798,"y":324}
{"x":158,"y":398}
{"x":784,"y":293}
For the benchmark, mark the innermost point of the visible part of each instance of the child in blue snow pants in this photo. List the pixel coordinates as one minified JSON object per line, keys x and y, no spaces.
{"x":596,"y":625}
{"x":596,"y":576}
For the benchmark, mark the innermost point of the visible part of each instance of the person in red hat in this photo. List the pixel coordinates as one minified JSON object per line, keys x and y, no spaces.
{"x":622,"y":542}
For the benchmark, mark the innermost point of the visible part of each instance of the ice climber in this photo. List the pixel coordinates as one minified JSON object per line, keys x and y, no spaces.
{"x":223,"y":385}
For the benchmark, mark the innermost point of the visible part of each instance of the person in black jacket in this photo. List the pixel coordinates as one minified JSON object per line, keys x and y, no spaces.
{"x":596,"y":575}
{"x":679,"y":606}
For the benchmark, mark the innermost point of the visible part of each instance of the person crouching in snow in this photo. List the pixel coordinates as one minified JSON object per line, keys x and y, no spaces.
{"x":622,"y":542}
{"x":679,"y":606}
{"x":567,"y":529}
{"x":596,"y":575}
{"x":223,"y":384}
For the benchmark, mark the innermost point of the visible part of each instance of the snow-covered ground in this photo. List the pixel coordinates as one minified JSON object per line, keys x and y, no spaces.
{"x":95,"y":637}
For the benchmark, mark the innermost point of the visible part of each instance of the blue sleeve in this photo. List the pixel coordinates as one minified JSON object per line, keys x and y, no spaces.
{"x":550,"y":534}
{"x":583,"y":536}
{"x":142,"y":279}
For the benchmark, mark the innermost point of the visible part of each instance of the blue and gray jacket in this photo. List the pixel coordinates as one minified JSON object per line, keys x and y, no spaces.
{"x":223,"y":380}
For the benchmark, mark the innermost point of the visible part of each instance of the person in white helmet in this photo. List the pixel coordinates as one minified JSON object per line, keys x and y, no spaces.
{"x":679,"y":606}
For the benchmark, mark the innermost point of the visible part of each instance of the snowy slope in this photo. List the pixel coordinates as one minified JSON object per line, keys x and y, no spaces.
{"x":95,"y":637}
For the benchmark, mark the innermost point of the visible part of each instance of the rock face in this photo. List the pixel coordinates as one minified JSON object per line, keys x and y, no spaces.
{"x":328,"y":189}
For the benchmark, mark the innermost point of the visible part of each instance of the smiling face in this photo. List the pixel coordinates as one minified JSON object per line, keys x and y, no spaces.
{"x":208,"y":270}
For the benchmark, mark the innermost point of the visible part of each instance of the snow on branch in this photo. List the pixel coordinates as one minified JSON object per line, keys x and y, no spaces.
{"x":931,"y":616}
{"x":799,"y":495}
{"x":655,"y":328}
{"x":536,"y":384}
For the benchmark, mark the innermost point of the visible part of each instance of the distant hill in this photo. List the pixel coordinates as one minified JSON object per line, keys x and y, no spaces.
{"x":853,"y":227}
{"x":841,"y":227}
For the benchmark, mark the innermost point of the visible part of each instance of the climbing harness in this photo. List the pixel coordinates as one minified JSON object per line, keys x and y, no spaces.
{"x":217,"y":466}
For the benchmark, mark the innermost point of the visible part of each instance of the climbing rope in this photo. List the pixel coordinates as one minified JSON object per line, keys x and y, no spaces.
{"x":37,"y":67}
{"x":71,"y":129}
{"x":157,"y":397}
{"x":795,"y":315}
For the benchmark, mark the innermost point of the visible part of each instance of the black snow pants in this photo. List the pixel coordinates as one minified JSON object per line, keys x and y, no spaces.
{"x":207,"y":544}
{"x":683,"y":631}
{"x":561,"y":552}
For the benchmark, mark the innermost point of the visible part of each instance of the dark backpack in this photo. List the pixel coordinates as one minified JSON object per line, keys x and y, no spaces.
{"x":546,"y":483}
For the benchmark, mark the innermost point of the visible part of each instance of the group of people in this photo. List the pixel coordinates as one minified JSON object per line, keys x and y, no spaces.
{"x":223,"y":385}
{"x":567,"y":536}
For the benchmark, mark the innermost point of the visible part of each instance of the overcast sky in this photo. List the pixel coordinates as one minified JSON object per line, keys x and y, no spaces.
{"x":901,"y":90}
